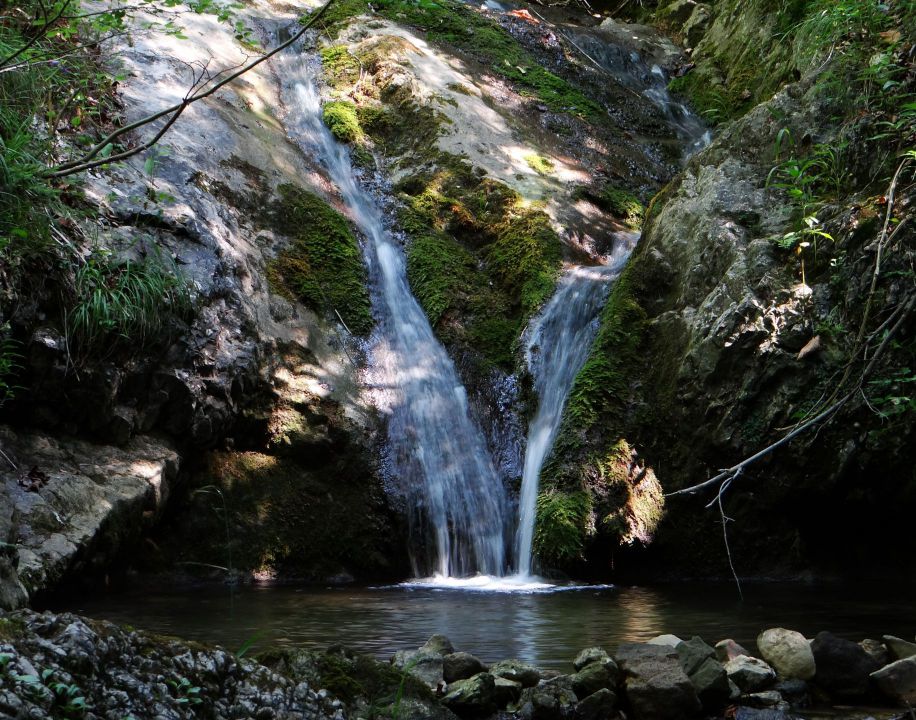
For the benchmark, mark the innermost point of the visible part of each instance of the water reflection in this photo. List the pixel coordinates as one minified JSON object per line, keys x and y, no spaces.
{"x":546,"y":629}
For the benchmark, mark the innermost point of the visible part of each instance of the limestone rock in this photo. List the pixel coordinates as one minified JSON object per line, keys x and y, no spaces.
{"x":750,"y":674}
{"x":473,"y":697}
{"x":788,"y":652}
{"x":517,"y":671}
{"x":899,"y":647}
{"x":728,"y":650}
{"x":843,"y":666}
{"x":597,"y":706}
{"x":460,"y":666}
{"x":898,"y":681}
{"x":656,"y":686}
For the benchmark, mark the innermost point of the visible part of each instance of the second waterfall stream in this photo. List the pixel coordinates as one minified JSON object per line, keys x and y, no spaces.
{"x":461,"y":516}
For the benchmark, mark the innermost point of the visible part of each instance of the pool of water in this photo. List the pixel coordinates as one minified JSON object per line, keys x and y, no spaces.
{"x":543,"y":627}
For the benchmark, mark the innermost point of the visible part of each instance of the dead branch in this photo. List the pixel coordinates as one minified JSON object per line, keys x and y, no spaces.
{"x":91,"y":160}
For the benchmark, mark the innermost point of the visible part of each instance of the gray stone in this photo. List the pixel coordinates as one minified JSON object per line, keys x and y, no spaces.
{"x":460,"y":666}
{"x":728,"y":650}
{"x":591,"y":679}
{"x":696,"y":26}
{"x":843,"y":666}
{"x":439,"y":644}
{"x":750,"y":674}
{"x":899,"y":647}
{"x":898,"y":681}
{"x":590,"y":655}
{"x":597,"y":706}
{"x":788,"y":652}
{"x":507,"y":692}
{"x":795,"y":692}
{"x":693,"y":652}
{"x":679,"y":11}
{"x":517,"y":671}
{"x":656,"y":686}
{"x":424,"y":665}
{"x":768,"y":698}
{"x":550,"y":700}
{"x":473,"y":697}
{"x":666,"y":640}
{"x":711,"y":684}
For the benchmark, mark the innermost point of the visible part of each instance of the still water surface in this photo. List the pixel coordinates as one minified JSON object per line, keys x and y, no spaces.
{"x":547,"y":629}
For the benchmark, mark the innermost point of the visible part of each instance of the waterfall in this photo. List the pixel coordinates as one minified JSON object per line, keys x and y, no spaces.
{"x":557,"y":346}
{"x":459,"y":508}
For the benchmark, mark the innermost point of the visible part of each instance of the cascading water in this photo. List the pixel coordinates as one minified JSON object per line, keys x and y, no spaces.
{"x":557,"y":346}
{"x":435,"y":448}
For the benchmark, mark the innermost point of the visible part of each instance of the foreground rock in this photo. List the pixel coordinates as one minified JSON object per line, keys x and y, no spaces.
{"x":788,"y":652}
{"x":110,"y":672}
{"x":750,"y":674}
{"x":843,"y":666}
{"x":898,"y":681}
{"x":656,"y":686}
{"x":71,"y":506}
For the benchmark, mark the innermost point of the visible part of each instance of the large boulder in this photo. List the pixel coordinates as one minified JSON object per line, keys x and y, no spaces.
{"x":750,"y":674}
{"x":422,"y":664}
{"x":473,"y":697}
{"x":591,"y":679}
{"x":898,"y":681}
{"x":843,"y":666}
{"x":706,"y":674}
{"x":657,"y":688}
{"x":517,"y":671}
{"x":788,"y":652}
{"x":460,"y":666}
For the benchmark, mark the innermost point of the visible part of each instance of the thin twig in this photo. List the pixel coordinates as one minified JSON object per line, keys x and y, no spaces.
{"x":89,"y":160}
{"x":7,"y":458}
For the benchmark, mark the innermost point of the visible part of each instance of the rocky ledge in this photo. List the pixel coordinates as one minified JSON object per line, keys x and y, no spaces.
{"x":70,"y":667}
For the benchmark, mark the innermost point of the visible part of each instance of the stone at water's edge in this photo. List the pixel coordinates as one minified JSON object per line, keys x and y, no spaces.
{"x":728,"y":650}
{"x":597,"y":706}
{"x":460,"y":666}
{"x":788,"y":652}
{"x":877,"y":651}
{"x":591,"y":679}
{"x":750,"y":674}
{"x":517,"y":671}
{"x":898,"y":681}
{"x":843,"y":666}
{"x":474,"y":697}
{"x":550,"y":700}
{"x":899,"y":647}
{"x":72,"y":506}
{"x":656,"y":686}
{"x":706,"y":674}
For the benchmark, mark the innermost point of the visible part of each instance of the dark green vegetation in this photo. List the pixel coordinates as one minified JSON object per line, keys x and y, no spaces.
{"x":460,"y":225}
{"x":831,"y":163}
{"x":620,"y":203}
{"x":460,"y":26}
{"x":323,"y":266}
{"x":342,"y":121}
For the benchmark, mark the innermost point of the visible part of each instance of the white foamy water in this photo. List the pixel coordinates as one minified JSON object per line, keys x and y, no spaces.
{"x":458,"y":508}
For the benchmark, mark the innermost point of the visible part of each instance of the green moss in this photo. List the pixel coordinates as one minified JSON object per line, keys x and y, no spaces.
{"x":457,"y":24}
{"x":323,"y":267}
{"x":341,"y":118}
{"x":440,"y":270}
{"x":340,"y":67}
{"x":562,"y":525}
{"x":540,"y":164}
{"x":620,"y":203}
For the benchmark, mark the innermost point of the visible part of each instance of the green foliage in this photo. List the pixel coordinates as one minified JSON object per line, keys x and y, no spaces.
{"x":185,"y":692}
{"x":562,"y":524}
{"x":323,"y":267}
{"x":455,"y":23}
{"x":895,"y":394}
{"x":620,"y":203}
{"x":63,"y":700}
{"x":540,"y":164}
{"x":123,"y":304}
{"x":439,"y":270}
{"x":340,"y":67}
{"x":341,"y":118}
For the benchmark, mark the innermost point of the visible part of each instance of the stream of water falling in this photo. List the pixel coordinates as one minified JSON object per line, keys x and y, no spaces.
{"x":459,"y":508}
{"x":557,"y":346}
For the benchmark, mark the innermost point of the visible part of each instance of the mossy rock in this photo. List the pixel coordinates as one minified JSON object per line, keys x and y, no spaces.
{"x":617,"y":201}
{"x":323,"y":267}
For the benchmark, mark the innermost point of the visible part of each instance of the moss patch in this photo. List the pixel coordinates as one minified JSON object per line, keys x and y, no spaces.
{"x":341,"y":69}
{"x":323,"y":267}
{"x":562,"y":525}
{"x":341,"y":118}
{"x":620,"y":203}
{"x":456,"y":24}
{"x":540,"y":164}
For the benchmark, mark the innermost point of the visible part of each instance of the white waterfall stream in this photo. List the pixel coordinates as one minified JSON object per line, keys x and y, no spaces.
{"x":557,"y":347}
{"x":436,"y":450}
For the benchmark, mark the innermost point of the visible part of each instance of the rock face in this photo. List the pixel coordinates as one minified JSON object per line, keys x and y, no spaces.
{"x":77,"y":506}
{"x":656,"y":686}
{"x":843,"y":666}
{"x":119,"y":673}
{"x":788,"y":652}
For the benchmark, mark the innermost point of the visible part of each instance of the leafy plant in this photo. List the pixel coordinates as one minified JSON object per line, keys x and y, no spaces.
{"x":186,"y":693}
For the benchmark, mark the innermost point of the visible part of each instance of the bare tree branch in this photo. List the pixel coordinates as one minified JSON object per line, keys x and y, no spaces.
{"x":90,"y":160}
{"x":46,"y":22}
